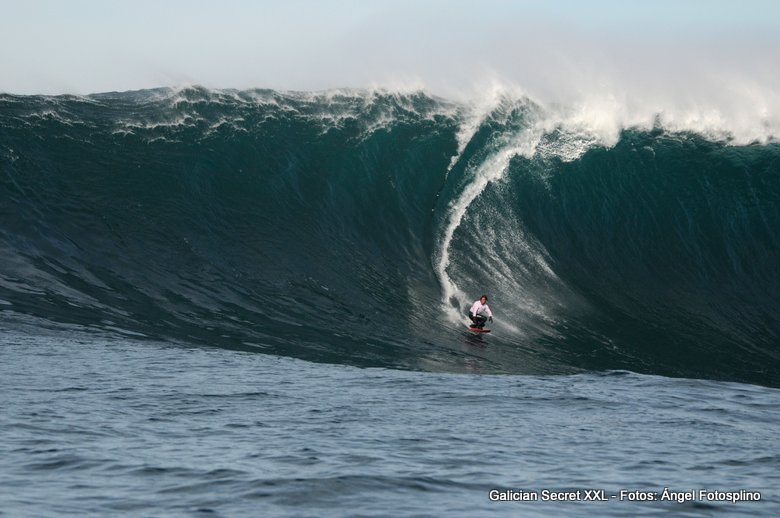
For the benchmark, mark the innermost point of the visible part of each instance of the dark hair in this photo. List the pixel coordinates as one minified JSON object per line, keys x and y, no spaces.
{"x":484,"y":297}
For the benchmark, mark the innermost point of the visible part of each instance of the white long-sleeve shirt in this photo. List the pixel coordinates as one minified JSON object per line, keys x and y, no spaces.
{"x":478,"y":307}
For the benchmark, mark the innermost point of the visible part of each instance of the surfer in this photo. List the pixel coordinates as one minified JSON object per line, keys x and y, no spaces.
{"x":478,"y":311}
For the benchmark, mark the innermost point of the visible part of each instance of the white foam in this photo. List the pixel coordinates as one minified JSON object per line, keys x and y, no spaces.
{"x":740,"y":111}
{"x":734,"y":108}
{"x":474,"y":114}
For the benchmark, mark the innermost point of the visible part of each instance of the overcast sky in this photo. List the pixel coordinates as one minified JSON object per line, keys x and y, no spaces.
{"x":549,"y":48}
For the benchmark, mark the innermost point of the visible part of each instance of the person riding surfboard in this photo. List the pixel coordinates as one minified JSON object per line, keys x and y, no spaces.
{"x":478,"y":311}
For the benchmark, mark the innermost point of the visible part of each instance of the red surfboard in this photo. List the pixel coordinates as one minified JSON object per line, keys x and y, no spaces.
{"x":478,"y":330}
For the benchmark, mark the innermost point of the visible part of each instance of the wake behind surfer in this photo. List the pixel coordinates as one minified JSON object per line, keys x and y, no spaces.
{"x":478,"y":311}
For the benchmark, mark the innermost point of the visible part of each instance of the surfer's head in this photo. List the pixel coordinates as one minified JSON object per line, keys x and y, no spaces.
{"x":483,"y":299}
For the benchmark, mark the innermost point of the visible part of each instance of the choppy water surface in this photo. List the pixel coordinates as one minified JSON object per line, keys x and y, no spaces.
{"x":101,"y":425}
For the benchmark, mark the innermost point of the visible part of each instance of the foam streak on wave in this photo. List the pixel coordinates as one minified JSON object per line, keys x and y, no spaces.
{"x":490,"y":170}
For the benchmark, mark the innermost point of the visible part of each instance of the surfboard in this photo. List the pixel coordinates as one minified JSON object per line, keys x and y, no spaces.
{"x":478,"y":330}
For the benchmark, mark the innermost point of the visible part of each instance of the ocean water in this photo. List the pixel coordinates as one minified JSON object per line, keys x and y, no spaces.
{"x":97,"y":426}
{"x":253,"y":302}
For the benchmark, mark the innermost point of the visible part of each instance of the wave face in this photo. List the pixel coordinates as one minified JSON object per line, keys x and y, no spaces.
{"x":356,"y":227}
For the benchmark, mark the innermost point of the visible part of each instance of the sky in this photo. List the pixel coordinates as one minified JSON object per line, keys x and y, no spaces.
{"x":556,"y":49}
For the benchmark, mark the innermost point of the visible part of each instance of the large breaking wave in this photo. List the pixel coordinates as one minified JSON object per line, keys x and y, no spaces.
{"x":356,"y":226}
